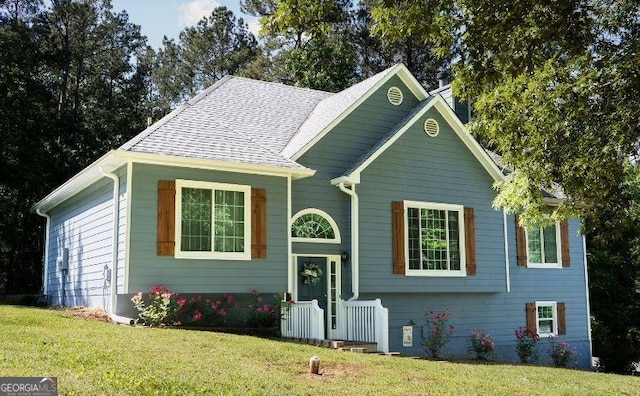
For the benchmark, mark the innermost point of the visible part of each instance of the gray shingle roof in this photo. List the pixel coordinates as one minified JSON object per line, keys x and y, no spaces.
{"x":236,"y":120}
{"x":328,"y":110}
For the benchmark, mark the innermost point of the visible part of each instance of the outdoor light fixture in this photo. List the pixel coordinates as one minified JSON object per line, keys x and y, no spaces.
{"x":344,"y":257}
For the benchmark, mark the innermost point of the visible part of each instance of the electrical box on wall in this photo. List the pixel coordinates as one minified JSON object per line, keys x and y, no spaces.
{"x":62,"y":262}
{"x":407,"y":336}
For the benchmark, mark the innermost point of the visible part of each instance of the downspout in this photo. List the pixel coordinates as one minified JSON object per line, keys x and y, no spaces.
{"x":506,"y":250}
{"x":45,"y":264}
{"x":355,"y":255}
{"x":586,"y":286}
{"x":114,"y":254}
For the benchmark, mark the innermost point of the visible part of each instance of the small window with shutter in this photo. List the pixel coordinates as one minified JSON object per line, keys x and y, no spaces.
{"x":543,"y":246}
{"x":546,"y":318}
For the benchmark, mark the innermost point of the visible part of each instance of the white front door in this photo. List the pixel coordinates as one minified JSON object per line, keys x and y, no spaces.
{"x":323,"y":285}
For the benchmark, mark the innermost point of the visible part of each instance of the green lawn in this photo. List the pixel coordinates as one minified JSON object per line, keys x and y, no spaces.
{"x":92,"y":358}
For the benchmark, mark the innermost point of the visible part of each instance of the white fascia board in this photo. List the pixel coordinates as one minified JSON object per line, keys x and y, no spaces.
{"x":458,"y":127}
{"x":401,"y":71}
{"x":80,"y":181}
{"x":197,"y":163}
{"x":116,"y":158}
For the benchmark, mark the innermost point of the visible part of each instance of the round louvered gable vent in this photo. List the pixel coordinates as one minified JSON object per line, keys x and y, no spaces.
{"x":431,"y":127}
{"x":394,"y":94}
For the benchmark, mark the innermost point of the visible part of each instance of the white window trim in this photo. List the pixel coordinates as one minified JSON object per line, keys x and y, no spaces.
{"x":554,"y":331}
{"x":558,"y":249}
{"x":246,"y":255}
{"x":462,"y":272}
{"x":332,"y":223}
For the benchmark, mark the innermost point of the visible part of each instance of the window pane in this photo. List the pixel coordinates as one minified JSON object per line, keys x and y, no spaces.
{"x":534,"y":253}
{"x":454,"y":240}
{"x":545,"y":326}
{"x":550,"y":246}
{"x":229,"y":221}
{"x":413,"y":218}
{"x":312,"y":225}
{"x":196,"y":220}
{"x":434,"y":239}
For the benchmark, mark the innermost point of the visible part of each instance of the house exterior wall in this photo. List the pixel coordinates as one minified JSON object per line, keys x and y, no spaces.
{"x":83,"y":225}
{"x":442,"y":170}
{"x":147,"y":269}
{"x":335,"y":153}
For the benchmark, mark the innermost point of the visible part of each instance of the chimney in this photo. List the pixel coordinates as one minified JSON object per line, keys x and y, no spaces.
{"x":443,"y":79}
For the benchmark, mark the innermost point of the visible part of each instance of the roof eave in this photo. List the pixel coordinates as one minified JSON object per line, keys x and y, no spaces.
{"x":117,"y":158}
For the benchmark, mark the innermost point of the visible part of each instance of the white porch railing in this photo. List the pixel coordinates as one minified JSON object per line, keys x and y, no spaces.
{"x":304,"y":319}
{"x":365,"y":321}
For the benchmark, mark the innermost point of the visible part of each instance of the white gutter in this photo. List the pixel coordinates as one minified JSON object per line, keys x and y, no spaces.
{"x":586,"y":285}
{"x":506,"y":250}
{"x":355,"y":262}
{"x":45,"y":264}
{"x":114,"y":254}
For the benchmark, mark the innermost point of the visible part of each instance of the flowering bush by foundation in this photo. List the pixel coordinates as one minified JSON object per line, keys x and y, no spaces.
{"x":482,"y":346}
{"x":438,"y":333}
{"x":526,"y":341}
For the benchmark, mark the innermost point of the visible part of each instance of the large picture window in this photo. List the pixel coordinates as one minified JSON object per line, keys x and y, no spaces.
{"x":435,"y":239}
{"x":213,"y":220}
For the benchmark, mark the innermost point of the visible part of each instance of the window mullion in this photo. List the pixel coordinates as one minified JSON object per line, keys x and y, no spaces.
{"x":420,"y":255}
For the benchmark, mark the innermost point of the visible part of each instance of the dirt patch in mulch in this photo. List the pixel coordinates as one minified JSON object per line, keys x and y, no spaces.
{"x":89,"y":314}
{"x":333,"y":370}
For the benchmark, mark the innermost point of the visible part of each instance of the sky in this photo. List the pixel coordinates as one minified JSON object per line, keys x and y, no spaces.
{"x":169,"y":17}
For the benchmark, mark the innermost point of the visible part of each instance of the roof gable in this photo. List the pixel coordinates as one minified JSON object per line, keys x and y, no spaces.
{"x":330,"y":111}
{"x":438,"y":103}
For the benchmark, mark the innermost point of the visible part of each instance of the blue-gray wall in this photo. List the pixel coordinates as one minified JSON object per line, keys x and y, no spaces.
{"x":84,"y":226}
{"x":334,"y":154}
{"x":147,"y":269}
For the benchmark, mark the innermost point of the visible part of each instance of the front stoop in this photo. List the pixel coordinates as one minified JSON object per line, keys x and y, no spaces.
{"x":347,"y":346}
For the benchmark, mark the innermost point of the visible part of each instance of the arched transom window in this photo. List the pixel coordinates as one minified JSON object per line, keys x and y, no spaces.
{"x":314,"y":225}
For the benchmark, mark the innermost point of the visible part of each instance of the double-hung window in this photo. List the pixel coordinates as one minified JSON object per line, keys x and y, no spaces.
{"x":213,"y":220}
{"x":435,"y":239}
{"x":546,"y":318}
{"x":543,"y":246}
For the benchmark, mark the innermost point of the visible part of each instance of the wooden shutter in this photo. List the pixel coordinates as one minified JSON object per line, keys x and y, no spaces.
{"x":258,"y":223}
{"x":521,"y":244}
{"x":397,"y":229}
{"x":564,"y":243}
{"x":166,"y":217}
{"x":470,"y":240}
{"x":562,"y":320}
{"x":532,"y":317}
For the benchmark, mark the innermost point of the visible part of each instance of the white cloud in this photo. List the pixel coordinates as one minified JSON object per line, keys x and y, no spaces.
{"x":193,"y":11}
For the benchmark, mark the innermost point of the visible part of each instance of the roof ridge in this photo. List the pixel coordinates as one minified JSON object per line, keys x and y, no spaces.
{"x":131,"y":143}
{"x":279,"y":84}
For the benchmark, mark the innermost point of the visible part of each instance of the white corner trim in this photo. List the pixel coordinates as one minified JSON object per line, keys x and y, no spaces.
{"x":505,"y":230}
{"x":45,"y":266}
{"x":447,"y":113}
{"x":586,"y":287}
{"x":401,"y":71}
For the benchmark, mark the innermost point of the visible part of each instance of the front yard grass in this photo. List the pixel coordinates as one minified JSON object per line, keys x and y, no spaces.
{"x":92,"y":358}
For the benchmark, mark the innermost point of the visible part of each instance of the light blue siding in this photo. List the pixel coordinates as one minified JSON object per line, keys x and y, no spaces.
{"x":147,"y":269}
{"x":83,"y":225}
{"x":439,"y":170}
{"x":334,"y":154}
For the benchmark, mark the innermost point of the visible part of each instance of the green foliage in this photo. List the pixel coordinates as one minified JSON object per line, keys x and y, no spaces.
{"x":263,"y":314}
{"x":561,"y":353}
{"x":438,"y":333}
{"x":160,"y":310}
{"x":526,"y":345}
{"x":481,"y":344}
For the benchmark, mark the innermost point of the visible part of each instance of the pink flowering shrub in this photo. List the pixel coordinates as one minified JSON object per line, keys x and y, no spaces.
{"x":482,"y":346}
{"x":161,"y":308}
{"x":526,"y":341}
{"x":262,"y":314}
{"x":561,"y":353}
{"x":438,"y":333}
{"x":204,"y":312}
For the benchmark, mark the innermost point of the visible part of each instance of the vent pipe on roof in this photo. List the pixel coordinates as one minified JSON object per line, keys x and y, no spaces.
{"x":443,"y":79}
